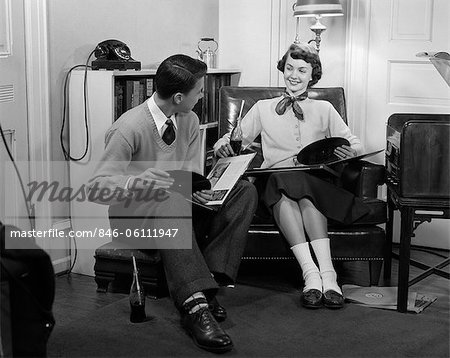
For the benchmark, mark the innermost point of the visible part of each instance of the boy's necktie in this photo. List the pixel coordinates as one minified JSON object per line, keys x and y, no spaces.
{"x":169,"y":134}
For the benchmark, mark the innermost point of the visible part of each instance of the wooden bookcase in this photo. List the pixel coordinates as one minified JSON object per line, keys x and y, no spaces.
{"x":110,"y":93}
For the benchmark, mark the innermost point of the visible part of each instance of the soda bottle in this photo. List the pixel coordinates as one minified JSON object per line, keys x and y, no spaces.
{"x":137,"y":297}
{"x":236,"y":137}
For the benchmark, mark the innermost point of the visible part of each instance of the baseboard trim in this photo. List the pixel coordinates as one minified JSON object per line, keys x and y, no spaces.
{"x":62,"y":264}
{"x":61,"y":261}
{"x":62,"y":225}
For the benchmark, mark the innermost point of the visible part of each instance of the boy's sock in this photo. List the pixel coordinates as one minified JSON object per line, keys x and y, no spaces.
{"x":196,"y":296}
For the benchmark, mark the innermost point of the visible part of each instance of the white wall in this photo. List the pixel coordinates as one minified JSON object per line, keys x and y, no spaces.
{"x":244,"y":39}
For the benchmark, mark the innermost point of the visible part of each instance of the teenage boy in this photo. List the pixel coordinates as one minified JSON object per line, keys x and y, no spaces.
{"x":164,"y":131}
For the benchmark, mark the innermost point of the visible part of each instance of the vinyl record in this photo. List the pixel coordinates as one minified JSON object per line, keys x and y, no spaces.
{"x":187,"y":182}
{"x":321,"y":151}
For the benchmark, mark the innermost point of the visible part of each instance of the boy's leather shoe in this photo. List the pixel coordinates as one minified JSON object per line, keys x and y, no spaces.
{"x":219,"y":312}
{"x":333,"y":299}
{"x":206,"y":332}
{"x":312,"y":298}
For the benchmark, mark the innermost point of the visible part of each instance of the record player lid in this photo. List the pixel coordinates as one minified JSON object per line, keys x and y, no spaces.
{"x":441,"y":61}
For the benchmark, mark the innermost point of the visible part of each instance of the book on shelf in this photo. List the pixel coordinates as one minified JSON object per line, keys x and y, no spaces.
{"x":142,"y":91}
{"x":210,"y":114}
{"x":149,"y":87}
{"x":136,"y":95}
{"x":118,"y":99}
{"x":128,"y":95}
{"x":219,"y":82}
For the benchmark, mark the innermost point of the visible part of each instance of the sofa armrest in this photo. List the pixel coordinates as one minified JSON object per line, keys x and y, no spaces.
{"x":362,"y":178}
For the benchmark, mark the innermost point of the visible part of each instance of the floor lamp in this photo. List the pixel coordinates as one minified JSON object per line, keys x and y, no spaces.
{"x":317,"y":9}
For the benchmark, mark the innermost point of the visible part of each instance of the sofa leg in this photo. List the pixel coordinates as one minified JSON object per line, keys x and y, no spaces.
{"x":103,"y":279}
{"x":375,"y":271}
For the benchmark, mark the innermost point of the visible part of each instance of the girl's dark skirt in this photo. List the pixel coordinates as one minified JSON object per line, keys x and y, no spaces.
{"x":332,"y":201}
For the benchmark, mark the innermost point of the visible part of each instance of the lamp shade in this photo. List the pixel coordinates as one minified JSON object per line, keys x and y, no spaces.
{"x":310,"y":8}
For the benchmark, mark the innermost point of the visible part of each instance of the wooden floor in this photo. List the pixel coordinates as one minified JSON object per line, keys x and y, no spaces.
{"x":76,"y":295}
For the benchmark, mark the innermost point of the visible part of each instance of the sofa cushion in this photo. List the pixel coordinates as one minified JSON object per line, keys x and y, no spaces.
{"x":359,"y":242}
{"x":377,"y":214}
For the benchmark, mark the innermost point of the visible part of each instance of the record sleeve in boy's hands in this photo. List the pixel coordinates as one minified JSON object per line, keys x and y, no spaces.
{"x":187,"y":182}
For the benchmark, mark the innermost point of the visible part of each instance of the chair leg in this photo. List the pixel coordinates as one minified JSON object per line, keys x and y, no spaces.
{"x":388,"y":247}
{"x":375,"y":271}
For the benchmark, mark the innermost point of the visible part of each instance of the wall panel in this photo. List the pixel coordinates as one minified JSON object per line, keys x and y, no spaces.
{"x":411,"y":20}
{"x":416,"y":83}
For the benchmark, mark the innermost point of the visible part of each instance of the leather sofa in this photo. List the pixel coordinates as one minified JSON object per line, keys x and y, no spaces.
{"x":364,"y":240}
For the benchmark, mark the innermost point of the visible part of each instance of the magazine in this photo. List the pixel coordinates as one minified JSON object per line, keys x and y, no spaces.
{"x":225,"y":174}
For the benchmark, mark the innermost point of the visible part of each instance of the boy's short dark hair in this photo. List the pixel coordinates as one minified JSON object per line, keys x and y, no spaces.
{"x":306,"y":53}
{"x":178,"y":73}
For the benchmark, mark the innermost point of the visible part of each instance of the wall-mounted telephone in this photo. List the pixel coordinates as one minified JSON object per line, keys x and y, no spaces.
{"x":114,"y":55}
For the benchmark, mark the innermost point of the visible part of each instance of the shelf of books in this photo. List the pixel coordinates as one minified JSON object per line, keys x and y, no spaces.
{"x":130,"y":92}
{"x":131,"y":88}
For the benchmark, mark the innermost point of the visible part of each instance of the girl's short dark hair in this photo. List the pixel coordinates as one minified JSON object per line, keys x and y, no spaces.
{"x":178,"y":73}
{"x":306,"y":53}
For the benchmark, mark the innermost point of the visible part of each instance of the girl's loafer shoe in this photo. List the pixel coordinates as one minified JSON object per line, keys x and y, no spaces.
{"x":333,"y":299}
{"x":312,"y":298}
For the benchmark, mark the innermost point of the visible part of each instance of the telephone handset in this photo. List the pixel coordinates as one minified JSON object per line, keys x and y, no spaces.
{"x":113,"y":50}
{"x":114,"y":55}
